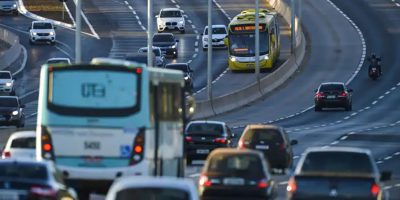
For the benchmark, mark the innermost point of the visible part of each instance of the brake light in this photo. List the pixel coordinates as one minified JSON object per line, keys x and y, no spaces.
{"x":220,"y":140}
{"x":138,"y":148}
{"x":292,"y":186}
{"x":204,"y":181}
{"x":282,"y":147}
{"x":344,"y":94}
{"x":43,"y":191}
{"x":320,"y":95}
{"x":138,"y":70}
{"x":6,"y":154}
{"x":375,"y":189}
{"x":188,"y":139}
{"x":241,"y":144}
{"x":47,"y":146}
{"x":262,"y":184}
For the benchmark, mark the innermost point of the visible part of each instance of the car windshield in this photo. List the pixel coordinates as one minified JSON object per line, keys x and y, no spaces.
{"x":242,"y":165}
{"x":174,"y":13}
{"x":5,"y":75}
{"x":8,"y":102}
{"x":337,"y":162}
{"x":42,"y":26}
{"x":163,"y":38}
{"x":152,"y":193}
{"x":24,"y":143}
{"x":183,"y":68}
{"x":244,"y":44}
{"x":14,"y":170}
{"x":331,"y":87}
{"x":56,"y":61}
{"x":205,"y":128}
{"x":157,"y":52}
{"x":216,"y":31}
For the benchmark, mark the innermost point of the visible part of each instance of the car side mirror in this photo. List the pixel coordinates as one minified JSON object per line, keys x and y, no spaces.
{"x":386,"y":175}
{"x":157,"y":16}
{"x":14,"y":78}
{"x":29,"y":28}
{"x":177,"y":40}
{"x":350,"y":90}
{"x":293,"y":142}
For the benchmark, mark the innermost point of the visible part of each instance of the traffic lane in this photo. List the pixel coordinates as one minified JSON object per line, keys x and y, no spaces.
{"x":332,"y":54}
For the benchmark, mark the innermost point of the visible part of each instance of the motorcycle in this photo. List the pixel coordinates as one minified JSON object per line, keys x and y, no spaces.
{"x":373,"y":73}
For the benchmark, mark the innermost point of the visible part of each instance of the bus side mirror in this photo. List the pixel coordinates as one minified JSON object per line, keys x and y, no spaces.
{"x":226,"y":41}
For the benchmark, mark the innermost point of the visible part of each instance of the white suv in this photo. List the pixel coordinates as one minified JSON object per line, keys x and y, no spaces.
{"x":42,"y":31}
{"x":218,"y":35}
{"x":172,"y":19}
{"x":6,"y":83}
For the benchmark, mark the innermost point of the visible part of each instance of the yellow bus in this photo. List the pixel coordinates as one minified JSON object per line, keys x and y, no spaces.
{"x":241,"y":40}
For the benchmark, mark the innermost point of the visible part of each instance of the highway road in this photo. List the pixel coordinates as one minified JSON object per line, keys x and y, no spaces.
{"x":339,"y":36}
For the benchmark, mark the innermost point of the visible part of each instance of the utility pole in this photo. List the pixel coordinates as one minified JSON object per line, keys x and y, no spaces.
{"x":78,"y":50}
{"x":150,"y":33}
{"x":209,"y":52}
{"x":257,"y":40}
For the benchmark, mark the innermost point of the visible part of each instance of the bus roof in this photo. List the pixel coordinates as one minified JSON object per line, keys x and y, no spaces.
{"x":248,"y":17}
{"x":166,"y":75}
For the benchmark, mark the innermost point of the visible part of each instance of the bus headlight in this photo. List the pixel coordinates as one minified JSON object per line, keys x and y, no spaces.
{"x":266,"y":57}
{"x":233,"y":58}
{"x":15,"y":112}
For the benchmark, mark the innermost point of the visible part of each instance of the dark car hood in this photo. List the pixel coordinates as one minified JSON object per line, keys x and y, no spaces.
{"x":6,"y":110}
{"x":163,"y":44}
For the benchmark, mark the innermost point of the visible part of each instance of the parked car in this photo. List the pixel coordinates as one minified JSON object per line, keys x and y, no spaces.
{"x":32,"y":180}
{"x":239,"y":174}
{"x":187,"y":71}
{"x":170,"y":19}
{"x":160,"y":59}
{"x":332,"y":95}
{"x":167,"y":43}
{"x":140,"y":58}
{"x":7,"y":82}
{"x":58,"y":61}
{"x":9,"y":6}
{"x":202,"y":137}
{"x":42,"y":31}
{"x":146,"y":188}
{"x":272,"y":141}
{"x":12,"y":111}
{"x":337,"y":173}
{"x":20,"y":145}
{"x":218,"y":34}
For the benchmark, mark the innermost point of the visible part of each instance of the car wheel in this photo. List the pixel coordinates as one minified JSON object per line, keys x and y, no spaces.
{"x":12,"y":93}
{"x":317,"y":108}
{"x":53,"y":43}
{"x":183,"y":31}
{"x":31,"y":42}
{"x":16,"y":13}
{"x":176,"y":55}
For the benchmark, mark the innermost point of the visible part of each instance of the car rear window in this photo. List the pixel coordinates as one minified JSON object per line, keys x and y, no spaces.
{"x":205,"y":128}
{"x":24,"y":143}
{"x":337,"y":162}
{"x":183,"y":68}
{"x":163,"y":38}
{"x":153,"y":194}
{"x":9,"y":102}
{"x":24,"y":171}
{"x":42,"y":26}
{"x":216,"y":31}
{"x":243,"y":165}
{"x":171,"y":14}
{"x":5,"y":75}
{"x":269,"y":136}
{"x":331,"y":87}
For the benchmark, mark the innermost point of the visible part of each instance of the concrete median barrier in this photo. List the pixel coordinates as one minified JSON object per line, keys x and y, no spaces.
{"x":267,"y":84}
{"x":9,"y":56}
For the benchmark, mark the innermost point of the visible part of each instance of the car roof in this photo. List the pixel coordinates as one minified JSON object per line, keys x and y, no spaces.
{"x":207,"y":122}
{"x":145,"y":48}
{"x":27,"y":161}
{"x":42,"y":21}
{"x":263,"y":126}
{"x":217,"y":26}
{"x":338,"y":149}
{"x":332,"y":83}
{"x":23,"y":134}
{"x":9,"y":97}
{"x":5,"y":72}
{"x":175,"y":64}
{"x":170,"y":9}
{"x":59,"y":58}
{"x":163,"y":34}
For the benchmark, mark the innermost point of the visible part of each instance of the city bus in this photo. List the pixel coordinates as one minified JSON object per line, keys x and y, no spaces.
{"x":241,"y":40}
{"x":111,"y":118}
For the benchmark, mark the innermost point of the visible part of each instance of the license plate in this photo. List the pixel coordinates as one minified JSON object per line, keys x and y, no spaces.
{"x":262,"y":147}
{"x":202,"y":151}
{"x":250,"y":65}
{"x":331,"y":97}
{"x":233,"y":181}
{"x":8,"y":195}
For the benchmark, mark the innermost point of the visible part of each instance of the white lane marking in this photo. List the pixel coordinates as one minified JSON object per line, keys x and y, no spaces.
{"x":196,"y":44}
{"x":69,"y":14}
{"x":88,"y":23}
{"x":28,"y":93}
{"x":381,"y":97}
{"x":398,"y":4}
{"x":126,"y":2}
{"x":23,"y":64}
{"x":222,"y":10}
{"x":373,"y":103}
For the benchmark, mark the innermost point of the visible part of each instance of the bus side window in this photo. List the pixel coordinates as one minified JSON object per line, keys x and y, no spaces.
{"x":169,"y":105}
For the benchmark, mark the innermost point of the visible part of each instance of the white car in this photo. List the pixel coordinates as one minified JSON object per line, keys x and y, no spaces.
{"x":58,"y":60}
{"x":219,"y":32}
{"x":144,"y":188}
{"x":20,"y":145}
{"x":171,"y":19}
{"x":42,"y":31}
{"x":6,"y":83}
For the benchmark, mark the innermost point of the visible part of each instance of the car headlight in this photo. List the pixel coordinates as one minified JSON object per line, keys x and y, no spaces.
{"x":266,"y":57}
{"x":15,"y":112}
{"x":173,"y":46}
{"x":186,"y":78}
{"x":34,"y":33}
{"x":8,"y":84}
{"x":233,"y":58}
{"x":181,"y":22}
{"x":14,"y":5}
{"x":51,"y":33}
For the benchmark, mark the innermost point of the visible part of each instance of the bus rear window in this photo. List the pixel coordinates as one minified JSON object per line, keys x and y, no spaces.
{"x":94,"y":92}
{"x":152,"y":193}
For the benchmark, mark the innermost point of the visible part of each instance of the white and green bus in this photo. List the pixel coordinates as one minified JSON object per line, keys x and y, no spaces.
{"x":111,"y":118}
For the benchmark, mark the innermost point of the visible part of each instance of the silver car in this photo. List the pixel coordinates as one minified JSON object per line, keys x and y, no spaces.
{"x":160,"y":58}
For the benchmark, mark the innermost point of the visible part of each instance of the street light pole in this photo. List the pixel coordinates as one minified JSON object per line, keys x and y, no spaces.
{"x":78,"y":51}
{"x":257,"y":40}
{"x":150,"y":33}
{"x":209,"y":52}
{"x":293,"y":26}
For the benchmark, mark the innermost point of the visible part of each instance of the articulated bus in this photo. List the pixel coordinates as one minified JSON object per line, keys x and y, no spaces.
{"x":241,"y":40}
{"x":111,"y":118}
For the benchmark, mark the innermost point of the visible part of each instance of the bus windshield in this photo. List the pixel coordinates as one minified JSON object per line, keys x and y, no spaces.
{"x":93,"y":93}
{"x":244,"y":44}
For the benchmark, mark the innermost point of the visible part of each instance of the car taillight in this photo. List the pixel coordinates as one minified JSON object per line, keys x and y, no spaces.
{"x":188,"y":139}
{"x":6,"y":154}
{"x":375,"y":189}
{"x":220,"y":140}
{"x":292,"y":186}
{"x":43,"y":191}
{"x":47,"y":144}
{"x":320,"y":95}
{"x":204,"y":181}
{"x":138,"y":148}
{"x":344,"y":94}
{"x":282,"y":147}
{"x":263,"y":183}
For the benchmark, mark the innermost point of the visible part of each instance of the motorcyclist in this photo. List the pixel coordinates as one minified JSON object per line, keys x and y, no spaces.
{"x":375,"y":62}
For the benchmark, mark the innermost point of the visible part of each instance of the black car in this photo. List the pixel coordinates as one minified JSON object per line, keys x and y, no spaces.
{"x":236,"y":174}
{"x":167,"y":43}
{"x":188,"y":73}
{"x":272,"y":141}
{"x":11,"y":111}
{"x":337,"y":173}
{"x":140,"y":57}
{"x":201,"y":137}
{"x":32,"y":180}
{"x":332,"y":95}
